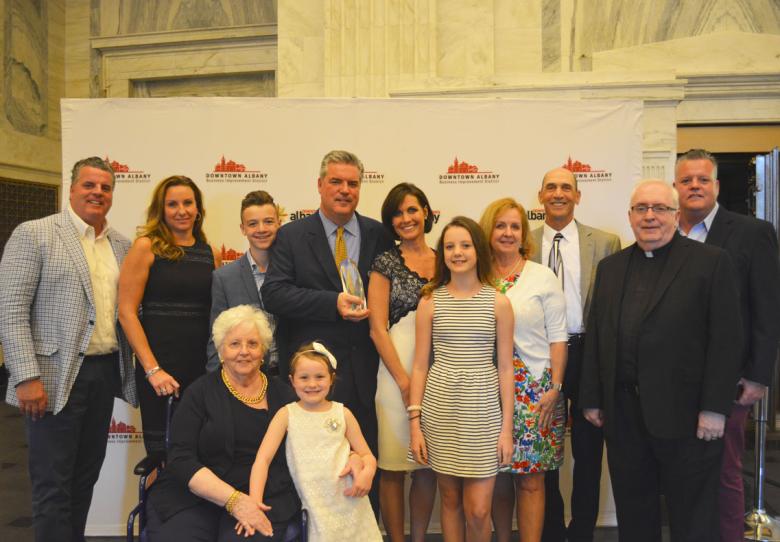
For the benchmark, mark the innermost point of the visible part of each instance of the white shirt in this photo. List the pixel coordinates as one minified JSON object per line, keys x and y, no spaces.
{"x":104,"y":276}
{"x":699,"y":231}
{"x":570,"y":254}
{"x":540,"y":316}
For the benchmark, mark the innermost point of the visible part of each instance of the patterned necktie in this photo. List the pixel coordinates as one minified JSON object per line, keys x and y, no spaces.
{"x":554,"y":261}
{"x":340,"y":250}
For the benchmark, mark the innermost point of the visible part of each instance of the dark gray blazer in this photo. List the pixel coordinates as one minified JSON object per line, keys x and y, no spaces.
{"x":231,"y":285}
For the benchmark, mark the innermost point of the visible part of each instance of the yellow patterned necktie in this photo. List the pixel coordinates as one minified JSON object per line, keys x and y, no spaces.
{"x":340,"y":252}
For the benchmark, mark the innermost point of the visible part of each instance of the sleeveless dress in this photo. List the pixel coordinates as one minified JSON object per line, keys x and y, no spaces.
{"x":317,"y":450}
{"x":540,"y":319}
{"x":175,"y":317}
{"x":405,"y":286}
{"x":461,"y":412}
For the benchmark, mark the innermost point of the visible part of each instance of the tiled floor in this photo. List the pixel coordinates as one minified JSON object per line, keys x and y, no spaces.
{"x":15,"y":486}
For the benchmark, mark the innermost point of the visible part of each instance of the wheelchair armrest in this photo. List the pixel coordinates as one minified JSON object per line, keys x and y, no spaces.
{"x":149,"y":463}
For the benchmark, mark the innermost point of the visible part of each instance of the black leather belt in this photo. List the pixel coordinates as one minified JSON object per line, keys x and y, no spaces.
{"x":102,"y":358}
{"x":576,"y":338}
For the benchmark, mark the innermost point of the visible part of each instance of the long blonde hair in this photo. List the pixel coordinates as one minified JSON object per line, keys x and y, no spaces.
{"x":163,"y":244}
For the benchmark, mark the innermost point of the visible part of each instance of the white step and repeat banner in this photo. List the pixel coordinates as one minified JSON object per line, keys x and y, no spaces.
{"x":462,"y":153}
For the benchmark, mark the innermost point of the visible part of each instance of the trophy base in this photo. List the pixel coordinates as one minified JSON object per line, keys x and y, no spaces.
{"x":762,"y":527}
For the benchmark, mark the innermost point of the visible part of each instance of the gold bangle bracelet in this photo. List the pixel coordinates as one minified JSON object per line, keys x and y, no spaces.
{"x":231,"y":502}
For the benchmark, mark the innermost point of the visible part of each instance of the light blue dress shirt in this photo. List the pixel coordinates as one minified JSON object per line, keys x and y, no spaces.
{"x":351,"y":236}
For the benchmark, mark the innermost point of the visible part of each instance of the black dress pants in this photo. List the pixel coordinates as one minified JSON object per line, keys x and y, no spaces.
{"x":205,"y":522}
{"x":587,"y":448}
{"x":686,"y":471}
{"x":66,"y":452}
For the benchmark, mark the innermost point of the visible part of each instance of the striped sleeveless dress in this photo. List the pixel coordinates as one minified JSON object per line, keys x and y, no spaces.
{"x":461,"y":413}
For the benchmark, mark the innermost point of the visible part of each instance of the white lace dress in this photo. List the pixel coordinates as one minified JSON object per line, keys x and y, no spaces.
{"x":317,"y":451}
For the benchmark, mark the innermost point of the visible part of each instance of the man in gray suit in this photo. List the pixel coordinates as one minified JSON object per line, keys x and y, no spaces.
{"x":575,"y":250}
{"x":239,"y":282}
{"x":64,"y":348}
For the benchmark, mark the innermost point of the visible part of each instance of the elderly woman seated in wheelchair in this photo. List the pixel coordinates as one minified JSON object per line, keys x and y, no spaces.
{"x":202,"y":494}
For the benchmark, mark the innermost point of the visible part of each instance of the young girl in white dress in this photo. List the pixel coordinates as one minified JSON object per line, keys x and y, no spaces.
{"x":320,"y":434}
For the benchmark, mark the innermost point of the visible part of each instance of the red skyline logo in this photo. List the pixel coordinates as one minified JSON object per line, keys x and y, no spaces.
{"x":121,"y":427}
{"x":463,"y":167}
{"x":231,"y":171}
{"x":585,"y":173}
{"x":461,"y":172}
{"x":123,"y":173}
{"x":121,"y":432}
{"x":228,"y":166}
{"x":117,"y":167}
{"x":575,"y":166}
{"x":230,"y":255}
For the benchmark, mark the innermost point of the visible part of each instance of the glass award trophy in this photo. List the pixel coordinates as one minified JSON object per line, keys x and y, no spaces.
{"x":351,"y":282}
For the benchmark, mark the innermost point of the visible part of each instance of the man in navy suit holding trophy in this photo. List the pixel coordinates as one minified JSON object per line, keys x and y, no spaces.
{"x":303,"y":286}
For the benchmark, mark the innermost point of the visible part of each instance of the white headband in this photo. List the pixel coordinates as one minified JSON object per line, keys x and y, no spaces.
{"x":320,"y":349}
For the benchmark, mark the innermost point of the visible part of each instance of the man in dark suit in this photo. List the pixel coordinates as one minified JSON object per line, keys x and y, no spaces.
{"x":752,"y":245}
{"x":64,"y":349}
{"x":660,"y":369}
{"x":239,"y":282}
{"x":304,"y":290}
{"x":581,"y":248}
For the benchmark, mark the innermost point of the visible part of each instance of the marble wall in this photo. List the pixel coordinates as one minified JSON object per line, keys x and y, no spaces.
{"x":101,"y":48}
{"x":31,"y":37}
{"x":703,"y":61}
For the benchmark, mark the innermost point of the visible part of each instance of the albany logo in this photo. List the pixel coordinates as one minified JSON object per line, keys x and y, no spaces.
{"x":120,"y":431}
{"x":230,"y":171}
{"x":585,"y":174}
{"x":535,"y":214}
{"x":301,"y":213}
{"x":461,"y":172}
{"x":123,"y":173}
{"x":436,"y":216}
{"x":373,"y":177}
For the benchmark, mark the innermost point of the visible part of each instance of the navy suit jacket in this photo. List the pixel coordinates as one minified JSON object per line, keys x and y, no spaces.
{"x":752,"y":245}
{"x":301,"y":288}
{"x":231,"y":285}
{"x":688,"y":346}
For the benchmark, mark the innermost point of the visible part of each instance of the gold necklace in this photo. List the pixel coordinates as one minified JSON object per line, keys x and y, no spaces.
{"x":243,"y":398}
{"x":514,"y":268}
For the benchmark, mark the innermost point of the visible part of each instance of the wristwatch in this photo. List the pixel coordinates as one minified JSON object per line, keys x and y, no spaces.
{"x":557,"y":386}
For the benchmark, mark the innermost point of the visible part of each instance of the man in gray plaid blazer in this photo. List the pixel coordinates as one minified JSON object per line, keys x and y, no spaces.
{"x":64,"y":349}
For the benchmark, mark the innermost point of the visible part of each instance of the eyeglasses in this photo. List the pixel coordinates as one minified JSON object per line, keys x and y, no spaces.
{"x":642,"y":209}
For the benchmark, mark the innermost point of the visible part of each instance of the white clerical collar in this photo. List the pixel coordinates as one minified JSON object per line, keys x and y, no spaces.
{"x":84,"y":229}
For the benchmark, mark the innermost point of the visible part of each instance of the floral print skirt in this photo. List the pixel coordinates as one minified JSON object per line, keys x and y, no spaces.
{"x":535,"y":449}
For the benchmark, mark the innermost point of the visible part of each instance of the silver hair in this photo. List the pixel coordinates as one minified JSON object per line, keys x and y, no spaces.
{"x":340,"y":157}
{"x":95,"y":162}
{"x":235,"y":316}
{"x":672,"y":190}
{"x":698,"y":154}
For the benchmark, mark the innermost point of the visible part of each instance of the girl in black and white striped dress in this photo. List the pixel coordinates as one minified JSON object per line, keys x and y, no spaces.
{"x":461,"y":405}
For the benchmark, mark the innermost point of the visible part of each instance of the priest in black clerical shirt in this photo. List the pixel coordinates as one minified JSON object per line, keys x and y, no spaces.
{"x":660,"y":368}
